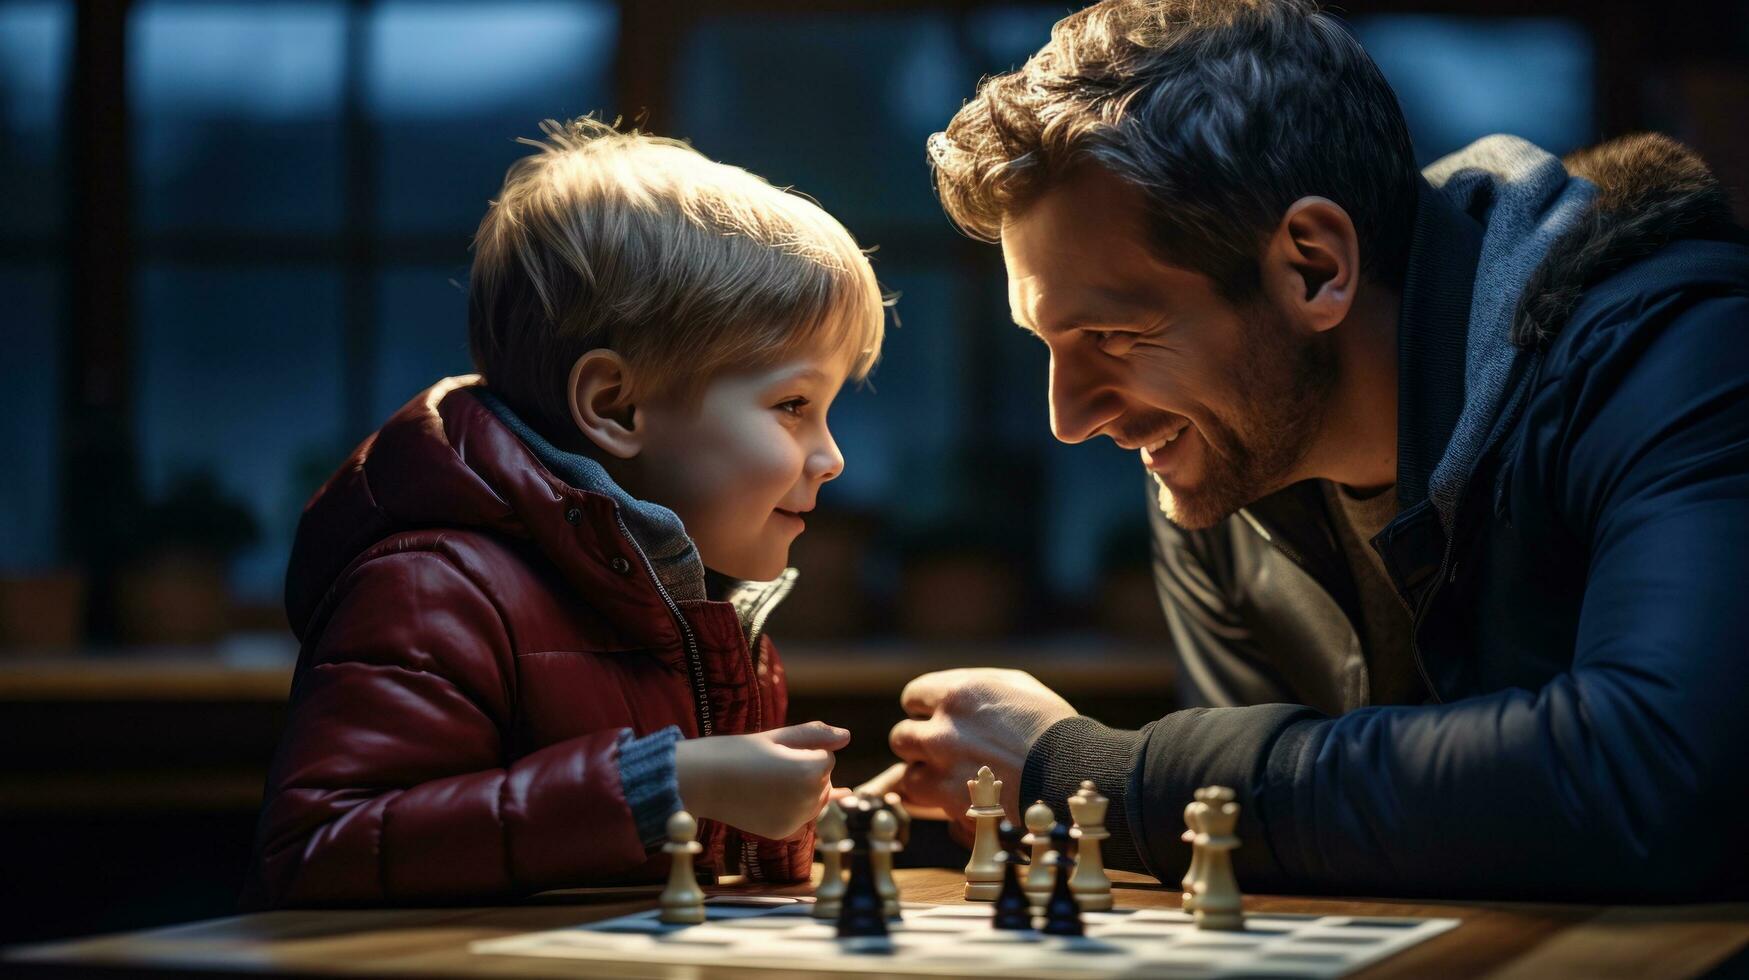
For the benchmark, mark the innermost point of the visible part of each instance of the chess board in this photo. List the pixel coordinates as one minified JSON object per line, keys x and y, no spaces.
{"x":956,"y":940}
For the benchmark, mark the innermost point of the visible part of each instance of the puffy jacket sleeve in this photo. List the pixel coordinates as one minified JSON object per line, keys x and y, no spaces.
{"x":393,"y":782}
{"x":1616,"y":778}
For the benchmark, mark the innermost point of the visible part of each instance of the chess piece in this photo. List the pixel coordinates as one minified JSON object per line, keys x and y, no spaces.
{"x":1039,"y":822}
{"x":1062,"y":913}
{"x":829,"y":836}
{"x":859,"y":911}
{"x":883,"y":841}
{"x":682,"y":900}
{"x":1013,"y":908}
{"x":1218,"y":904}
{"x":898,"y":807}
{"x":1091,"y":885}
{"x":983,"y":873}
{"x":1192,"y":826}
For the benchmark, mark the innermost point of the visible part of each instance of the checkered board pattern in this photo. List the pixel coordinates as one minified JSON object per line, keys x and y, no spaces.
{"x":956,"y":940}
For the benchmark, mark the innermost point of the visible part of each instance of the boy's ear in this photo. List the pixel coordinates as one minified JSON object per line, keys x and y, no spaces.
{"x":599,"y":382}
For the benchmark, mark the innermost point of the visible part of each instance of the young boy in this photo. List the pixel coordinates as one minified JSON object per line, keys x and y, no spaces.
{"x":532,"y":605}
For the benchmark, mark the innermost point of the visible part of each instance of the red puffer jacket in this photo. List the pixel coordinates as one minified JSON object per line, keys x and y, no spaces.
{"x":475,"y":637}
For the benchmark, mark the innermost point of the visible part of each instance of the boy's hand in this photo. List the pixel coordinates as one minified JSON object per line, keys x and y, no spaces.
{"x":771,"y":784}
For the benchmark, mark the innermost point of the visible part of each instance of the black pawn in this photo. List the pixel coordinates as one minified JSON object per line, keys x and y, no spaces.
{"x":1062,"y":912}
{"x":861,"y":913}
{"x":1013,"y":911}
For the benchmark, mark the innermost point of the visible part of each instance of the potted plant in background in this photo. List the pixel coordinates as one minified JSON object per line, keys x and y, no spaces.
{"x":42,"y":611}
{"x":174,"y":586}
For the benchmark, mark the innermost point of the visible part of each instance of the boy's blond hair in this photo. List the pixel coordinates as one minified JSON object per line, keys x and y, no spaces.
{"x":684,"y":267}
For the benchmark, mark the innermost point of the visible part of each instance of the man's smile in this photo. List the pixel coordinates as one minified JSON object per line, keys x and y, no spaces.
{"x":1167,"y":451}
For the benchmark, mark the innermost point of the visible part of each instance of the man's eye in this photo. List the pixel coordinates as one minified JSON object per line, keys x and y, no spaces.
{"x":1116,"y":343}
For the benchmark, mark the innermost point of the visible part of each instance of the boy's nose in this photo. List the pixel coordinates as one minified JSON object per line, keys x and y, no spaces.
{"x":826,"y":462}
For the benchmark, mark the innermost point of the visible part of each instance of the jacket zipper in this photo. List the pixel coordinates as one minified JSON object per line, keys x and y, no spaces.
{"x":694,"y":660}
{"x":1507,"y":420}
{"x":750,"y":863}
{"x":756,"y":626}
{"x":1419,"y":616}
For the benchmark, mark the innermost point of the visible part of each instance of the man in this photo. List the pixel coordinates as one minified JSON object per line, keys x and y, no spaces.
{"x":1452,"y":470}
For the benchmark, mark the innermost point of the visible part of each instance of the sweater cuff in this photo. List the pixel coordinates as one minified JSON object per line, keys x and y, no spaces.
{"x":1080,"y":748}
{"x":1246,"y":749}
{"x":647,"y":777}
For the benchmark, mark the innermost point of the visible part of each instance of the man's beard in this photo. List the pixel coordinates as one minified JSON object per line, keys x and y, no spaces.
{"x":1287,"y":381}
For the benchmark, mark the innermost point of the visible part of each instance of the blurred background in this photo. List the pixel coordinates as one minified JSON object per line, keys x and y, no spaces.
{"x":234,"y":238}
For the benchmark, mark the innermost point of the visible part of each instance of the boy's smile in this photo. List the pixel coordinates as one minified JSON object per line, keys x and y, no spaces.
{"x":744,"y":464}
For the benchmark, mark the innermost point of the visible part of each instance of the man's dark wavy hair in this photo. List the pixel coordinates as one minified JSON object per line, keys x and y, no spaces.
{"x":1222,"y":112}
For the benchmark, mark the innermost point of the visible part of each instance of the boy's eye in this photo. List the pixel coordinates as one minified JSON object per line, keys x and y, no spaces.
{"x":793,"y":407}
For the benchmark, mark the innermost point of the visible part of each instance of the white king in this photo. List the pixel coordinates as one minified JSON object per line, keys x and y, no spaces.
{"x":983,"y":873}
{"x":1089,"y":883}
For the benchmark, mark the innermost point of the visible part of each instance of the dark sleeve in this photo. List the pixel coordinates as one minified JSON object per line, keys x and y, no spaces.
{"x":1618,"y":779}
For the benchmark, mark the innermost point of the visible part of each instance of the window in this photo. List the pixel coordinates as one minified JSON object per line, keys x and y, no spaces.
{"x":1462,"y":78}
{"x":35,"y":47}
{"x":308,"y":175}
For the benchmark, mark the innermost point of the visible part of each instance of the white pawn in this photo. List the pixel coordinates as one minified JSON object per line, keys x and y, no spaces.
{"x":898,"y":807}
{"x":1218,"y":903}
{"x":883,"y":840}
{"x":1193,"y":812}
{"x":830,"y":840}
{"x":1090,"y":884}
{"x":682,"y":901}
{"x":983,"y":871}
{"x":1039,"y":821}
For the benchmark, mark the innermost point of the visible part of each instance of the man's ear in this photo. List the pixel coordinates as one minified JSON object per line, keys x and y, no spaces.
{"x":1311,"y":265}
{"x":599,"y":383}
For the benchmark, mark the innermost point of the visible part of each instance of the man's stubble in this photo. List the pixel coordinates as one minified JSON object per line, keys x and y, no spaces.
{"x":1288,"y":384}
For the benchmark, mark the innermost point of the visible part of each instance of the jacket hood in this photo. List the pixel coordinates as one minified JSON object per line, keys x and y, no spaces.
{"x":1549,"y":230}
{"x":446,"y":461}
{"x":1651,"y":190}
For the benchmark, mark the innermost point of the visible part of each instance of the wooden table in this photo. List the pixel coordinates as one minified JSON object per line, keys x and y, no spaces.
{"x":1496,"y":940}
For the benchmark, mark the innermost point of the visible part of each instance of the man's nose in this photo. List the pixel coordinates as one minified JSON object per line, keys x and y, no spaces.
{"x":1080,"y":404}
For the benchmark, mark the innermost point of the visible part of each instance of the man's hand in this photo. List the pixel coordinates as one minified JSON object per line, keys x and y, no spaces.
{"x":965,"y":718}
{"x":771,"y":784}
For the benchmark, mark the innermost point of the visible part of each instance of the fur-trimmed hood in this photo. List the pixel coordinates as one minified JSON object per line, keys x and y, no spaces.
{"x":1550,"y":229}
{"x":1651,"y":190}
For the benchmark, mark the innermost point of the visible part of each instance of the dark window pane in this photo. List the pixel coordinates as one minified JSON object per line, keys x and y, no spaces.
{"x":1093,"y":489}
{"x":239,"y":375}
{"x":838,"y":105}
{"x":30,"y":416}
{"x":237,"y":114}
{"x":898,"y":434}
{"x":1460,"y":79}
{"x":424,"y":334}
{"x":1006,"y":36}
{"x":35,"y":49}
{"x":450,"y":86}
